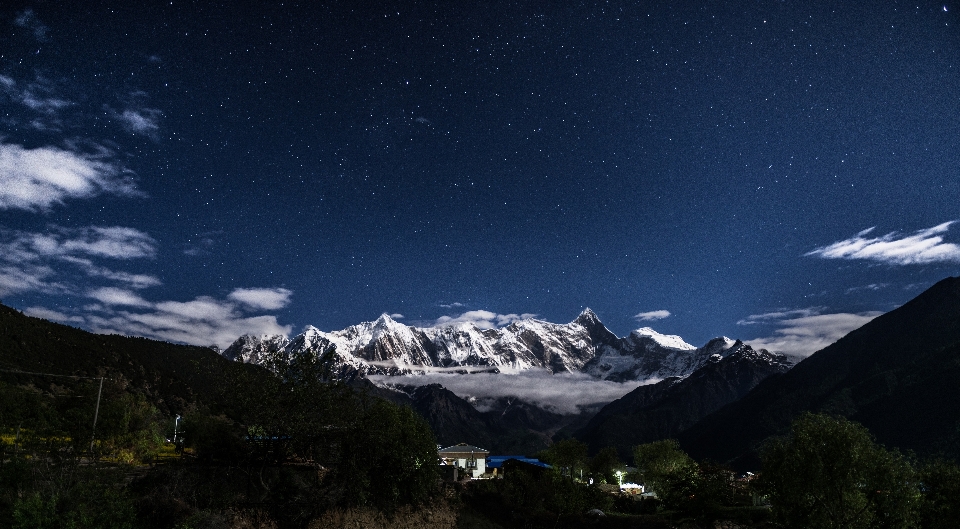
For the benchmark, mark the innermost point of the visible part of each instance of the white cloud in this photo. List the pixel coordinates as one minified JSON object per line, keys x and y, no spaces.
{"x":25,"y":266}
{"x":45,"y":105}
{"x":804,"y":335}
{"x":203,"y":321}
{"x":39,"y":96}
{"x":27,"y":19}
{"x":131,"y":280}
{"x":779,"y":315}
{"x":653,"y":315}
{"x":922,"y":247}
{"x":52,"y":315}
{"x":140,"y":121}
{"x":562,"y":392}
{"x":36,"y":179}
{"x":483,"y":319}
{"x":396,"y":316}
{"x":872,"y":287}
{"x":114,"y":242}
{"x":117,"y":296}
{"x":27,"y":258}
{"x":454,"y":305}
{"x":262,"y":298}
{"x":200,"y":309}
{"x":27,"y":277}
{"x":204,"y":245}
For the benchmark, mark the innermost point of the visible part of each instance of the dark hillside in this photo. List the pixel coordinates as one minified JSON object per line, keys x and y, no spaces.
{"x":897,"y":374}
{"x":662,"y":410}
{"x":170,"y":376}
{"x":511,"y":427}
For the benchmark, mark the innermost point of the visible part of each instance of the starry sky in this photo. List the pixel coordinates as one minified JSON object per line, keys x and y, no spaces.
{"x":776,"y":171}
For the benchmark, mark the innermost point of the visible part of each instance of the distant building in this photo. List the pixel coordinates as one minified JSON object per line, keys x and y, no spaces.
{"x":470,"y":458}
{"x":524,"y":465}
{"x":495,"y":463}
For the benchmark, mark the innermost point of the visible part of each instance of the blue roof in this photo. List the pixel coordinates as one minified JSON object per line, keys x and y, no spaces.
{"x":497,"y":461}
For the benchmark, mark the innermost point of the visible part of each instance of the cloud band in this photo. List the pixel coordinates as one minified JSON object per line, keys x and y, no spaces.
{"x":922,"y":247}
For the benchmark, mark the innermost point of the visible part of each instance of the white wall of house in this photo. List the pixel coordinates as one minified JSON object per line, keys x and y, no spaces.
{"x":471,"y":459}
{"x":474,"y":472}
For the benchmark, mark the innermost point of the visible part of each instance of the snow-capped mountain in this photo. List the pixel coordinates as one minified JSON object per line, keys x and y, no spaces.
{"x":386,"y":347}
{"x":254,"y":349}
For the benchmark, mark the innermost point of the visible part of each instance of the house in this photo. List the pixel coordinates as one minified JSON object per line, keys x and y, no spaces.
{"x":470,"y":458}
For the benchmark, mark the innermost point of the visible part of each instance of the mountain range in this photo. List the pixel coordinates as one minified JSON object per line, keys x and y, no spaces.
{"x":693,"y":381}
{"x":585,"y":345}
{"x":898,"y":375}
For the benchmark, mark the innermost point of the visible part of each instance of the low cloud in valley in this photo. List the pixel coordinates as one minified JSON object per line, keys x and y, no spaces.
{"x":565,"y":392}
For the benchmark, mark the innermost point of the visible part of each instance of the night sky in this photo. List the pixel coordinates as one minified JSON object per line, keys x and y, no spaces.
{"x":707,"y":168}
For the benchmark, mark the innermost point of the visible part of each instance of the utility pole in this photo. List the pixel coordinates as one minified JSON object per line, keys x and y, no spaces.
{"x":96,"y":412}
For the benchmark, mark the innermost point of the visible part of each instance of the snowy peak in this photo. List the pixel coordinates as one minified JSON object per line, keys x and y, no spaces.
{"x":742,"y":351}
{"x":669,"y":341}
{"x":722,"y":346}
{"x":585,"y":345}
{"x":587,"y":318}
{"x":649,"y":355}
{"x":254,"y":349}
{"x":386,"y":322}
{"x":599,"y":334}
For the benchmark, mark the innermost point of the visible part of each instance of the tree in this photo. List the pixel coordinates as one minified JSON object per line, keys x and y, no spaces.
{"x":668,"y":471}
{"x":296,"y":402}
{"x":382,"y":455}
{"x":568,"y":455}
{"x":213,"y":438}
{"x":829,"y":473}
{"x":388,"y":457}
{"x":605,"y":465}
{"x":940,"y":486}
{"x":660,"y":458}
{"x":129,"y":428}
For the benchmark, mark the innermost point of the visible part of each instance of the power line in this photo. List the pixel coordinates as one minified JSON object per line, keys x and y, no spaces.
{"x":96,"y":411}
{"x":46,"y":374}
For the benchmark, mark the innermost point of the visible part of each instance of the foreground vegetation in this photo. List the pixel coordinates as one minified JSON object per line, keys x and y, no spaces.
{"x":286,"y":447}
{"x":289,"y":447}
{"x":297,"y":450}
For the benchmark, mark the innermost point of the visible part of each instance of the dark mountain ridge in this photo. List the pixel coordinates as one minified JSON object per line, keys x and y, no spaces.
{"x":898,"y":375}
{"x":171,"y":376}
{"x":509,"y":426}
{"x":662,"y":410}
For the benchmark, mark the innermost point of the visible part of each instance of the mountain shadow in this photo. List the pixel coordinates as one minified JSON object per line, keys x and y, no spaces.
{"x":663,"y":410}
